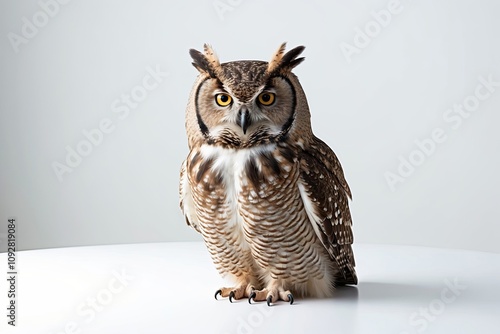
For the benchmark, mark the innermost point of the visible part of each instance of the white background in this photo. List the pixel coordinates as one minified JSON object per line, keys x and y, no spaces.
{"x":370,"y":110}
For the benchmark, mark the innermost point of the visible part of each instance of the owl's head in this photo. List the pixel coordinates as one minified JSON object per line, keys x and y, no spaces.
{"x":247,"y":103}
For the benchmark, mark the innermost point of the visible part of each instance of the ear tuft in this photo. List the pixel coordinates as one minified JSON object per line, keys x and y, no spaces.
{"x":276,"y":59}
{"x":290,"y":59}
{"x":199,"y":61}
{"x":207,"y":62}
{"x":282,"y":61}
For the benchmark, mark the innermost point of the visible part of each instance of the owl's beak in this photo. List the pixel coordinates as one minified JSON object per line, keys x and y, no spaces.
{"x":243,"y":119}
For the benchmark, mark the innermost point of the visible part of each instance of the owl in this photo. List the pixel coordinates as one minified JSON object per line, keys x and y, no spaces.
{"x":269,"y":198}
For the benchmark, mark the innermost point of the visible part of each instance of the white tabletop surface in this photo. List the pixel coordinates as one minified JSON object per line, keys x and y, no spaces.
{"x":169,"y":288}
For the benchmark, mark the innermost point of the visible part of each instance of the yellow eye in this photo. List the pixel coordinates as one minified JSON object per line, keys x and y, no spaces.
{"x":223,"y":99}
{"x":266,"y":99}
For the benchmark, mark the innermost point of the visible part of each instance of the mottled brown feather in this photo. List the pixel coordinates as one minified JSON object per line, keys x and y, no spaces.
{"x":325,"y":183}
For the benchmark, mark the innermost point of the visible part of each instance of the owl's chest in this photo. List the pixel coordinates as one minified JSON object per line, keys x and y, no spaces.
{"x":227,"y":182}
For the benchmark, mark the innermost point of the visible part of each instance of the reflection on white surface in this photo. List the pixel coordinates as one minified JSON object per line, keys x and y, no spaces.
{"x":169,"y":287}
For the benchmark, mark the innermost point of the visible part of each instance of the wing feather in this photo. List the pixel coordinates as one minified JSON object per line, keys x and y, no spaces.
{"x":186,"y":199}
{"x":325,"y":194}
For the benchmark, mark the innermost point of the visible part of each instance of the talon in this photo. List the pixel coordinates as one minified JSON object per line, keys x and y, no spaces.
{"x":252,"y":296}
{"x":218,"y":292}
{"x":269,"y":300}
{"x":290,"y":296}
{"x":231,"y":296}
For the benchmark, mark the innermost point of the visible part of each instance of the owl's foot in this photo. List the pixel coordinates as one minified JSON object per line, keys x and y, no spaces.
{"x":240,"y":292}
{"x":271,"y":295}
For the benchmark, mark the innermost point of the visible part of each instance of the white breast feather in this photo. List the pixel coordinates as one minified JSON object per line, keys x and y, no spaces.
{"x":230,"y":165}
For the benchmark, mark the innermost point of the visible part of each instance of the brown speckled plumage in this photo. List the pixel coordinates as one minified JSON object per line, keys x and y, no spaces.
{"x":269,"y":198}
